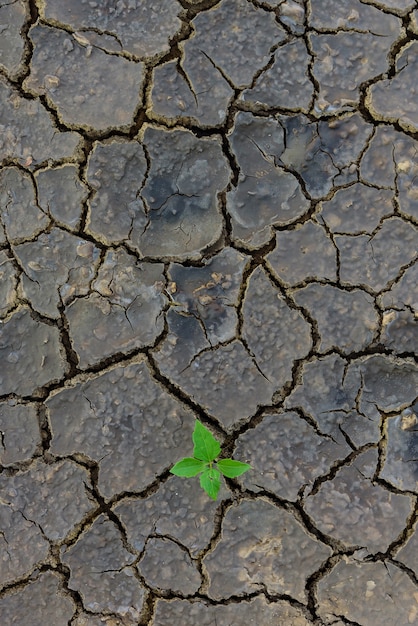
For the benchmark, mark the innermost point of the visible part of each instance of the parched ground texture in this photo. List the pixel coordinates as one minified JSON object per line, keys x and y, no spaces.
{"x":208,"y":209}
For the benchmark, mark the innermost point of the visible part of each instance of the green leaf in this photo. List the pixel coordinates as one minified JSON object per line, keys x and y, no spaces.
{"x":231,"y":468}
{"x":210,"y":481}
{"x":206,"y":448}
{"x":188,"y":467}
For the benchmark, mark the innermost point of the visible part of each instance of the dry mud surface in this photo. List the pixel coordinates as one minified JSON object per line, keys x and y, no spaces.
{"x":208,"y":209}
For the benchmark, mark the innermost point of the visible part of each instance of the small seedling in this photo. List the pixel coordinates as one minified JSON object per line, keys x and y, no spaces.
{"x":205,"y":462}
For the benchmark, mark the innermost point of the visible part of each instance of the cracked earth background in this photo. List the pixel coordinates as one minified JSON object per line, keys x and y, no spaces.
{"x":208,"y":209}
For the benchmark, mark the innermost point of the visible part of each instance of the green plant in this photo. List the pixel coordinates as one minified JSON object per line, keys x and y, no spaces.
{"x":206,"y":463}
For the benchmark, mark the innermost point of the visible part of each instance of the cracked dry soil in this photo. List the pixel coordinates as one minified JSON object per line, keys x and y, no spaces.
{"x":208,"y":208}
